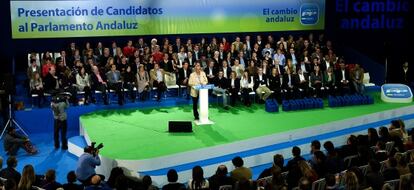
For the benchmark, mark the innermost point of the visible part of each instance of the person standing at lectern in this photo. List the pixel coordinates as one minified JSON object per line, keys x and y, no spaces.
{"x":198,"y":77}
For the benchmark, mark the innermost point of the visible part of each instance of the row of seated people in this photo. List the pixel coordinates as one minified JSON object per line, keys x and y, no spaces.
{"x":374,"y":168}
{"x":171,"y":57}
{"x":263,"y":79}
{"x":299,"y":49}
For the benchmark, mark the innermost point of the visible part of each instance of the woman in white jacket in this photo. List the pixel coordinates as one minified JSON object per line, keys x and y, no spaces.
{"x":246,"y":86}
{"x":83,"y":84}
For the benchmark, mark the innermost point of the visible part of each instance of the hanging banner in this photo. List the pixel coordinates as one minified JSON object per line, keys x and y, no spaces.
{"x":84,"y":18}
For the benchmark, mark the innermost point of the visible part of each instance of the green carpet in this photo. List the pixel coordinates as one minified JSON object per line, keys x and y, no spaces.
{"x":142,"y":133}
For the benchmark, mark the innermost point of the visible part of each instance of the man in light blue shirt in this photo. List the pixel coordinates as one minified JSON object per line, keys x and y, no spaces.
{"x":86,"y":165}
{"x":280,"y":56}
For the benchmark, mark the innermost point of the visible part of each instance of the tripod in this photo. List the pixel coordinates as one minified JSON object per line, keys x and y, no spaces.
{"x":11,"y":120}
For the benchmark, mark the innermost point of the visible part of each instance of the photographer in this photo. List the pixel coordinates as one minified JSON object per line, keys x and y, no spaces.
{"x":87,"y":163}
{"x":59,"y":105}
{"x":14,"y":141}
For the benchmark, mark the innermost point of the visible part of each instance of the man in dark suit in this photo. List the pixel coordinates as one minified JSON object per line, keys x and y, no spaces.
{"x":183,"y":75}
{"x":226,"y":69}
{"x":289,"y":83}
{"x":10,"y":172}
{"x":190,"y":59}
{"x":407,"y":75}
{"x":99,"y":49}
{"x":197,"y":52}
{"x":233,"y":87}
{"x":292,"y":56}
{"x":52,"y":85}
{"x":261,"y":86}
{"x":342,"y":78}
{"x":99,"y":83}
{"x":177,"y":45}
{"x":211,"y":72}
{"x":66,"y":60}
{"x":166,"y":63}
{"x":115,"y":83}
{"x":302,"y":82}
{"x":103,"y":59}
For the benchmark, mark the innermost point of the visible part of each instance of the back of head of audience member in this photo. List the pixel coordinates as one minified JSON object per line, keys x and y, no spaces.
{"x":147,"y":181}
{"x":121,"y":183}
{"x":115,"y":173}
{"x":278,"y":160}
{"x":172,"y":176}
{"x":244,"y":184}
{"x":71,"y":177}
{"x":315,"y":146}
{"x":237,"y":162}
{"x":374,"y":165}
{"x":329,"y":147}
{"x":10,"y":184}
{"x":391,"y":162}
{"x":50,"y":176}
{"x":222,"y":171}
{"x":304,"y":184}
{"x":96,"y":180}
{"x":295,"y":151}
{"x":12,"y":162}
{"x":351,"y":181}
{"x":28,"y":177}
{"x":319,"y":156}
{"x":330,"y":181}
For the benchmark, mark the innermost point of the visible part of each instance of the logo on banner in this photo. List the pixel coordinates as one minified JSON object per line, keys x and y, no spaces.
{"x":397,"y":91}
{"x":309,"y":14}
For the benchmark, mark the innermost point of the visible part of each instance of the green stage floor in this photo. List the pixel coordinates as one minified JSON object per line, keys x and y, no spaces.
{"x":134,"y":134}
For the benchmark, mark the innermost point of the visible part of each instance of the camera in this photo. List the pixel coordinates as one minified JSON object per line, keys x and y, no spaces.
{"x":60,"y":98}
{"x":92,"y":149}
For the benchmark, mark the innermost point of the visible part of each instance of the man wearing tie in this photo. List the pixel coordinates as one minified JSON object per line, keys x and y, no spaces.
{"x":198,"y":77}
{"x":289,"y":83}
{"x":183,"y":75}
{"x":114,"y":82}
{"x":261,"y":86}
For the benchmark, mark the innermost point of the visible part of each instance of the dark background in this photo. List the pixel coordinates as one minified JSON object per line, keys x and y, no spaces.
{"x":368,"y":47}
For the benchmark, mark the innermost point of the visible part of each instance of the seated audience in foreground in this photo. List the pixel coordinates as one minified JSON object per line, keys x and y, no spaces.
{"x":172,"y":184}
{"x":71,"y":185}
{"x":10,"y":172}
{"x":240,"y":172}
{"x":220,"y":178}
{"x":373,"y":178}
{"x":50,"y":181}
{"x":277,"y":165}
{"x":97,"y":184}
{"x":198,"y":182}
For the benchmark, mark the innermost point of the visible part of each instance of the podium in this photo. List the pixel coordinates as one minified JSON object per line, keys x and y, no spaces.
{"x":203,"y":104}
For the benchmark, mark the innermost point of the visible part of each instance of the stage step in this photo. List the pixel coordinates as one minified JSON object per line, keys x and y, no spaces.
{"x":76,"y":145}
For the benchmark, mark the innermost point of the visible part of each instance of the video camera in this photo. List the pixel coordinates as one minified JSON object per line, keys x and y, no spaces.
{"x":92,"y":149}
{"x":60,"y":98}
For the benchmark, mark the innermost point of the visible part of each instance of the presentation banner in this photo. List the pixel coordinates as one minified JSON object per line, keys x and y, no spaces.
{"x":84,"y":18}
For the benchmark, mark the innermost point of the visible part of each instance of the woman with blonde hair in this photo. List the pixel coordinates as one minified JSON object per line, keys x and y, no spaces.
{"x":351,"y":181}
{"x":307,"y":171}
{"x":28,"y":178}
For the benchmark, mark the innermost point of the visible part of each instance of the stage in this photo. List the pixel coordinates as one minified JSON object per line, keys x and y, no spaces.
{"x":137,"y":139}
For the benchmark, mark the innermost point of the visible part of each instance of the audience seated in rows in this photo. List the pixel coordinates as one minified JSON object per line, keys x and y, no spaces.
{"x":304,"y":68}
